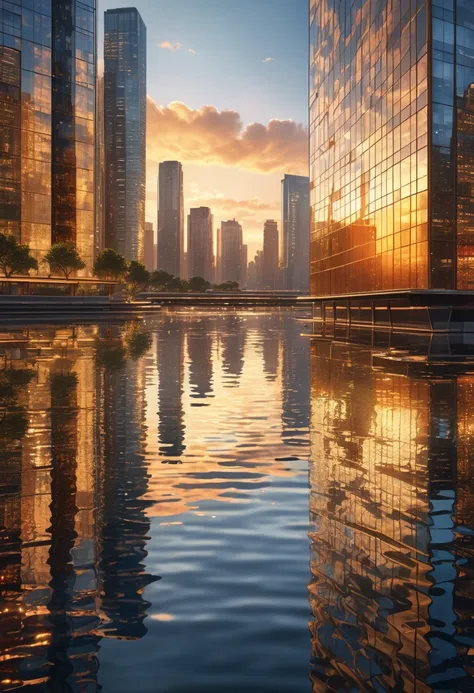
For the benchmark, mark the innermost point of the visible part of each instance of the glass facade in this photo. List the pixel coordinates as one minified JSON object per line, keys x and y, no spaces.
{"x":47,"y":123}
{"x":125,"y":131}
{"x":389,"y":147}
{"x":295,"y":232}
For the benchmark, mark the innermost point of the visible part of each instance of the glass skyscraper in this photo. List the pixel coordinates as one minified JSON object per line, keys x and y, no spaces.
{"x":295,"y":215}
{"x":125,"y":131}
{"x":47,"y":123}
{"x":391,"y":145}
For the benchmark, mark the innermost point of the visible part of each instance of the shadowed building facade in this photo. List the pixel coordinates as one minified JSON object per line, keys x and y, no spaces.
{"x":125,"y":131}
{"x":391,"y":125}
{"x":295,"y":215}
{"x":200,"y":246}
{"x":270,"y":255}
{"x":171,"y":218}
{"x":231,"y":251}
{"x":47,"y":119}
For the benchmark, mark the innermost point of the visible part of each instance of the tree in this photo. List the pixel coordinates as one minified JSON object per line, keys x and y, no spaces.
{"x":110,"y":265}
{"x":198,"y":284}
{"x":15,"y":258}
{"x":161,"y":280}
{"x":227,"y":286}
{"x":137,"y":340}
{"x":137,"y":278}
{"x":64,"y":258}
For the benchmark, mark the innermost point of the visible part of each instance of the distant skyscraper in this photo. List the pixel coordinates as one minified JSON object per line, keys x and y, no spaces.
{"x":219,"y":258}
{"x":149,"y":247}
{"x":125,"y":131}
{"x":270,"y":255}
{"x":231,"y":246}
{"x":171,"y":218}
{"x":200,"y":253}
{"x":252,"y":276}
{"x":99,"y":240}
{"x":295,"y":231}
{"x":243,"y":266}
{"x":47,"y":123}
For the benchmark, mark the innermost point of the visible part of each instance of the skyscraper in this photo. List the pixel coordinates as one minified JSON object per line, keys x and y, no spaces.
{"x":149,"y":247}
{"x":47,"y":118}
{"x":391,"y":164}
{"x":125,"y":131}
{"x":231,"y":247}
{"x":243,"y":266}
{"x":295,"y":231}
{"x":200,"y":252}
{"x":171,"y":218}
{"x":270,"y":255}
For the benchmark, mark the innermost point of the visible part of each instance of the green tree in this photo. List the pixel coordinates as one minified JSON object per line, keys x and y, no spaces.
{"x":137,"y":278}
{"x":198,"y":284}
{"x":15,"y":258}
{"x":64,"y":258}
{"x":110,"y":265}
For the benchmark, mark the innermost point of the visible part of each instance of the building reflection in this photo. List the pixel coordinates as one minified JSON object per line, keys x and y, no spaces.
{"x":233,"y":339}
{"x":295,"y":387}
{"x":392,"y":518}
{"x":73,"y":531}
{"x":200,"y":342}
{"x":170,"y":387}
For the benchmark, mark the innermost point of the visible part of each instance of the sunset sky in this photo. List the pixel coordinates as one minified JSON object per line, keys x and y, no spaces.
{"x":227,"y":87}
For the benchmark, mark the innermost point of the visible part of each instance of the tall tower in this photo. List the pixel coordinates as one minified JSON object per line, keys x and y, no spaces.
{"x":200,"y":246}
{"x":125,"y":131}
{"x":404,"y":143}
{"x":47,"y":119}
{"x":270,"y":255}
{"x":149,"y":247}
{"x":295,"y":208}
{"x":231,"y":249}
{"x":171,"y":218}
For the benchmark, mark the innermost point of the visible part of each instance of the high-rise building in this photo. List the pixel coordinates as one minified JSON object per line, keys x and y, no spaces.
{"x":231,"y":246}
{"x":243,"y":266}
{"x":149,"y":247}
{"x":199,"y":252}
{"x":171,"y":218}
{"x":99,"y":168}
{"x":125,"y":131}
{"x":270,"y":255}
{"x":295,"y":212}
{"x":47,"y":119}
{"x":392,"y":189}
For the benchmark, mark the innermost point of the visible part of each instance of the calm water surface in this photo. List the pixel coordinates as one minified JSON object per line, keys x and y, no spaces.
{"x":212,"y":502}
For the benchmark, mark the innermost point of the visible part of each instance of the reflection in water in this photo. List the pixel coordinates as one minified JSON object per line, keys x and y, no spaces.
{"x":93,"y":514}
{"x":136,"y":526}
{"x":391,"y":526}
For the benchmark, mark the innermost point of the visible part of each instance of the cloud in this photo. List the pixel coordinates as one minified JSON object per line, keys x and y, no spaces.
{"x":191,"y":50}
{"x":231,"y":207}
{"x":211,"y":137}
{"x":169,"y":46}
{"x":267,"y":60}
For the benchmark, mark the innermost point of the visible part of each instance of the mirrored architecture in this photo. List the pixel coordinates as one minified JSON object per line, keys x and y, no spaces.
{"x":391,"y":512}
{"x":391,"y":129}
{"x":125,"y":131}
{"x":47,"y":119}
{"x":295,"y":222}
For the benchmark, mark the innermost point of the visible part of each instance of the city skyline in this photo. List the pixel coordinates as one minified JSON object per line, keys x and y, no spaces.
{"x":196,"y":114}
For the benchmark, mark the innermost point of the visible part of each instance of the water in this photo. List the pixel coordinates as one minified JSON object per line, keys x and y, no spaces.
{"x":212,"y":502}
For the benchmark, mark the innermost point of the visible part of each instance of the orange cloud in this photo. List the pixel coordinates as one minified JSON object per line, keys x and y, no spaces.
{"x":232,"y":207}
{"x":168,"y":45}
{"x":212,"y":137}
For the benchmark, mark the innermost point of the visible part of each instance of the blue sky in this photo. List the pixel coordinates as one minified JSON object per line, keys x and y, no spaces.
{"x":219,"y":49}
{"x":231,"y":39}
